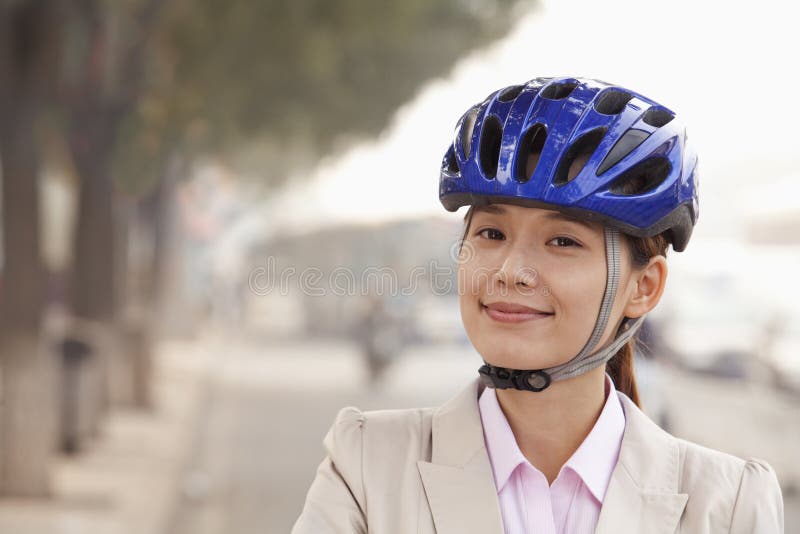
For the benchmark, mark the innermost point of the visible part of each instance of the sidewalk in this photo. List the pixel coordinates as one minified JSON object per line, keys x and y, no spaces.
{"x":129,"y":479}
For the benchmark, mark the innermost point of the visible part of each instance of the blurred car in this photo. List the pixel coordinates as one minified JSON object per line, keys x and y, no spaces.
{"x":782,"y":348}
{"x":711,"y":334}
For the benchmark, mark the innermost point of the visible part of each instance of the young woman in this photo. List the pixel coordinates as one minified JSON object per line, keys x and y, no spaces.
{"x":576,"y":188}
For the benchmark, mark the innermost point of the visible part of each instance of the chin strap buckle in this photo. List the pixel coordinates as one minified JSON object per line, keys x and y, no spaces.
{"x":524,"y":380}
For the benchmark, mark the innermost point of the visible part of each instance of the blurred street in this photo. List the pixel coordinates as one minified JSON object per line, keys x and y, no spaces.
{"x":259,"y":442}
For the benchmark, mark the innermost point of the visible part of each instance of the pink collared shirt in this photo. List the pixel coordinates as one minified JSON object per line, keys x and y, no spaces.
{"x":572,"y":504}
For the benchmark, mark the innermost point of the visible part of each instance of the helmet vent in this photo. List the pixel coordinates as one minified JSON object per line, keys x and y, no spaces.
{"x":624,"y":146}
{"x":510,"y":93}
{"x":530,"y":150}
{"x":612,"y":101}
{"x":450,"y":164}
{"x":577,"y":155}
{"x":642,"y":177}
{"x":467,"y":128}
{"x":557,"y":91}
{"x":491,"y":135}
{"x":657,"y":117}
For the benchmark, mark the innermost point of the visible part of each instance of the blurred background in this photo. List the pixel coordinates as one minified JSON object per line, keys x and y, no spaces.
{"x":220,"y":225}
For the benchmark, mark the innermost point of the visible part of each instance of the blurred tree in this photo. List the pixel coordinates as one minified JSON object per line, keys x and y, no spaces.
{"x":27,"y":418}
{"x":251,"y":81}
{"x":105,"y":51}
{"x":272,"y":86}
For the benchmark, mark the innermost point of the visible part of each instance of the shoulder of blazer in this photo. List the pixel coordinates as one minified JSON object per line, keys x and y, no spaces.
{"x":450,"y":434}
{"x":376,"y":452}
{"x":398,"y":430}
{"x":696,"y":464}
{"x":381,"y":439}
{"x":744,"y":492}
{"x":726,"y":493}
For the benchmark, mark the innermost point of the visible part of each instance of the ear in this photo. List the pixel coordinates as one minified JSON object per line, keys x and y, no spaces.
{"x":648,"y":286}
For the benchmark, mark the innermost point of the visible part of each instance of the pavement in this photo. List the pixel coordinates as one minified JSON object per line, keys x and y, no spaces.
{"x":129,"y":478}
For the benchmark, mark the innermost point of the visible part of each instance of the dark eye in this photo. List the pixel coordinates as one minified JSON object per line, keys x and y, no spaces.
{"x":565,"y":242}
{"x":493,"y":231}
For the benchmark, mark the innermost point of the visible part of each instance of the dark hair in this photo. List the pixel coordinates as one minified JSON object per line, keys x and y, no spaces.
{"x":620,"y":366}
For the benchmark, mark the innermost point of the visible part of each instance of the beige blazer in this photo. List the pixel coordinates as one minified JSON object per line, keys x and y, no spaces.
{"x":427,"y":470}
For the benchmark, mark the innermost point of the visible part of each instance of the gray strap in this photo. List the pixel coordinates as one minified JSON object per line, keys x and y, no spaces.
{"x":612,"y":282}
{"x":585,"y":361}
{"x":567,"y":369}
{"x":627,"y":329}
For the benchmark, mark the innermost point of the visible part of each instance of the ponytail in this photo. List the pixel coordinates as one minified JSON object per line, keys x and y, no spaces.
{"x":620,"y":368}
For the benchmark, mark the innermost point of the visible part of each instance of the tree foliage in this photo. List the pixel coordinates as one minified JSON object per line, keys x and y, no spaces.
{"x":225,"y":75}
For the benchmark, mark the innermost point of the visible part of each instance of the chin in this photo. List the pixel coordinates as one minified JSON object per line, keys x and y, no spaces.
{"x":517,"y":355}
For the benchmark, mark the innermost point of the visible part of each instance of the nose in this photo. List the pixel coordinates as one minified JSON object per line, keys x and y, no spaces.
{"x":517,"y":269}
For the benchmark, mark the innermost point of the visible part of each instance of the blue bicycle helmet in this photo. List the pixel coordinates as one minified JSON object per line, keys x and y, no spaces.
{"x":593,"y":150}
{"x":582,"y":146}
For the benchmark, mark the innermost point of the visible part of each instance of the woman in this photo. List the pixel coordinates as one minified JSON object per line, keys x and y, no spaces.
{"x":576,"y":188}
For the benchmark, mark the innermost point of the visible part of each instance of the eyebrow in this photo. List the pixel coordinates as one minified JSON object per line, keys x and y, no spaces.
{"x":558,"y":216}
{"x":490,"y":208}
{"x":552,"y":215}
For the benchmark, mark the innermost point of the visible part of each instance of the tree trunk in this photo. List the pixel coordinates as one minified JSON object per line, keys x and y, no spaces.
{"x":29,"y":421}
{"x":27,"y":416}
{"x":93,"y":288}
{"x":160,"y":217}
{"x":149,"y":232}
{"x":123,"y":361}
{"x":106,"y":89}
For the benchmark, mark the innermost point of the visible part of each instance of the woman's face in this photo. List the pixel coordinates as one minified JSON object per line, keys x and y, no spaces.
{"x":543,"y":260}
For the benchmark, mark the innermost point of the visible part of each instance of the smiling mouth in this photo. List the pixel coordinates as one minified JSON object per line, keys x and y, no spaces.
{"x":513,"y":317}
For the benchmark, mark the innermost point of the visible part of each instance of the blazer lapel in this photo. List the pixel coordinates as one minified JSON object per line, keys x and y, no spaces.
{"x":458,"y":480}
{"x":642,"y":495}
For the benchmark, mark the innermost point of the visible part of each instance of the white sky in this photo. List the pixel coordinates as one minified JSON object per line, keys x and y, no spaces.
{"x":729,"y":71}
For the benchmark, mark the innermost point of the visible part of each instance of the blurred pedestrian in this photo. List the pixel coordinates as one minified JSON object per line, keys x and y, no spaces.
{"x":378,"y":334}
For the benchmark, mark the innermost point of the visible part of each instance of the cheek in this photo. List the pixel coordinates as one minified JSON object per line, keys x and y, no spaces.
{"x":472,"y":278}
{"x":470,"y":287}
{"x":576,"y":290}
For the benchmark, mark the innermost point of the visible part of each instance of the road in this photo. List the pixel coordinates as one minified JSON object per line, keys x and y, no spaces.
{"x":269,"y":405}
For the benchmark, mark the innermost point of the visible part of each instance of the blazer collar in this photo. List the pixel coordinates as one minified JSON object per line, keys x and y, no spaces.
{"x":642,"y":495}
{"x":458,"y":480}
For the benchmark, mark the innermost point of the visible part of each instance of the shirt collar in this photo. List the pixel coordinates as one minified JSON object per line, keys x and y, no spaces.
{"x":504,"y":453}
{"x":593,"y":461}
